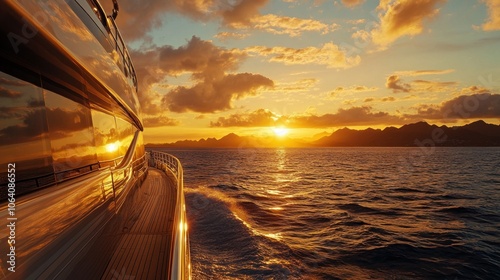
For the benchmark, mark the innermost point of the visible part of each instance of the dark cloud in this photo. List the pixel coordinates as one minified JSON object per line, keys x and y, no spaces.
{"x":159,"y":121}
{"x":200,"y":57}
{"x":242,"y":12}
{"x":213,"y":90}
{"x":352,"y":116}
{"x":393,"y":82}
{"x":260,"y":117}
{"x":29,"y":129}
{"x":136,"y":18}
{"x":215,"y":95}
{"x":8,"y":93}
{"x":148,"y":74}
{"x":480,"y":105}
{"x":65,"y":121}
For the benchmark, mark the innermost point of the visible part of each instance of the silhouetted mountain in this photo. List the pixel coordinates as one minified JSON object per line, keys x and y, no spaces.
{"x":477,"y":133}
{"x":234,"y":141}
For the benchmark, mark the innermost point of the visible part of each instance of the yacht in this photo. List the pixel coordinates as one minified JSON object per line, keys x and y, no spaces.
{"x":80,"y":198}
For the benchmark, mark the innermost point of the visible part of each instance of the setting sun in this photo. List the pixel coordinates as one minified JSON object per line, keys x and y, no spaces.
{"x":280,"y":131}
{"x":112,"y":147}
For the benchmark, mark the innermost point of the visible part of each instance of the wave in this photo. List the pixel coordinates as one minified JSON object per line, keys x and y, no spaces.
{"x":223,"y":236}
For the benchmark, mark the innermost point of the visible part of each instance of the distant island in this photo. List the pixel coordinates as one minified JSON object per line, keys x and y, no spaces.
{"x":478,"y":133}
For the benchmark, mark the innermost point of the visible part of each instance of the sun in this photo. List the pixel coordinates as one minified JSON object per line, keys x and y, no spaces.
{"x":280,"y":131}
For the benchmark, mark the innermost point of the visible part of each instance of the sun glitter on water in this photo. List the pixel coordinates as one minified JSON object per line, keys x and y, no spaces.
{"x":280,"y":131}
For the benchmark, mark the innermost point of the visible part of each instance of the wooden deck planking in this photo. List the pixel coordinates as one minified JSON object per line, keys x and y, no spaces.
{"x":143,"y":252}
{"x":137,"y":245}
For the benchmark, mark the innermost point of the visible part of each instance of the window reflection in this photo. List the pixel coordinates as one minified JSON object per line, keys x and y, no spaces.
{"x":106,"y":142}
{"x":125,"y":133}
{"x":24,"y":136}
{"x":24,"y":139}
{"x":70,"y":130}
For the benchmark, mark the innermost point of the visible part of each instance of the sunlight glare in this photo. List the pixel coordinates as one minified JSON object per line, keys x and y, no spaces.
{"x":280,"y":131}
{"x":112,"y":147}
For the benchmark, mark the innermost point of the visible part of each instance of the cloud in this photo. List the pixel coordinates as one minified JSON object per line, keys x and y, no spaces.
{"x":329,"y":54}
{"x":402,"y":18}
{"x":352,"y":116}
{"x":478,"y":105}
{"x":8,"y":93}
{"x":493,"y":22}
{"x":301,"y":85}
{"x":242,"y":12}
{"x":215,"y":95}
{"x":352,"y":3}
{"x":26,"y":129}
{"x":27,"y":124}
{"x":148,"y":72}
{"x":363,"y":115}
{"x":200,"y":57}
{"x":423,"y":72}
{"x":159,"y":121}
{"x":231,"y":35}
{"x":352,"y":89}
{"x":431,"y":86}
{"x":393,"y":82}
{"x":291,"y":26}
{"x":259,"y":118}
{"x":136,"y":18}
{"x":213,"y":89}
{"x":357,"y":21}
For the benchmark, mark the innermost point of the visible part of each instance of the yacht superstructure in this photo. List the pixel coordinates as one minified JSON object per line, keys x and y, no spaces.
{"x":72,"y":161}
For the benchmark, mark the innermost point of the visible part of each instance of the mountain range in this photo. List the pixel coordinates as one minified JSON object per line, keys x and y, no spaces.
{"x":478,"y":133}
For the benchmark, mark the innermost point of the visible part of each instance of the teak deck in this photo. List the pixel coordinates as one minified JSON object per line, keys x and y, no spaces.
{"x":141,"y":249}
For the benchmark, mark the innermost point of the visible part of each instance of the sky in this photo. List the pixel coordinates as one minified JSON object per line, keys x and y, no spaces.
{"x":297,"y":68}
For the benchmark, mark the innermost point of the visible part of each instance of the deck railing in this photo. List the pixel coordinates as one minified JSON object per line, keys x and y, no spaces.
{"x":180,"y":256}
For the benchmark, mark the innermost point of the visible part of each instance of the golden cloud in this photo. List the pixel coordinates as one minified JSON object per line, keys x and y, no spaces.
{"x":493,"y":22}
{"x":291,"y":26}
{"x":213,"y":88}
{"x":242,"y":12}
{"x":301,"y":85}
{"x":231,"y":35}
{"x":329,"y":54}
{"x":402,"y":18}
{"x":352,"y":3}
{"x":352,"y":89}
{"x":423,"y":72}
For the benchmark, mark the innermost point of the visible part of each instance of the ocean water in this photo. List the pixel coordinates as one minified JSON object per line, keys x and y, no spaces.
{"x":343,"y":213}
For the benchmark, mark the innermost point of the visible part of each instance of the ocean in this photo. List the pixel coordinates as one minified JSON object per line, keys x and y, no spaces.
{"x":343,"y":213}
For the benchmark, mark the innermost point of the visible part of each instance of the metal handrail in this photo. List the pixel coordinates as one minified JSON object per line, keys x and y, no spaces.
{"x":180,"y":255}
{"x":117,"y":37}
